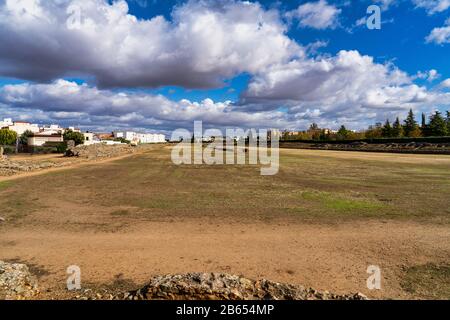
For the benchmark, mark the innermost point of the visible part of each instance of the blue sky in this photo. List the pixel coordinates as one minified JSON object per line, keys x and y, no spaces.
{"x":401,"y":39}
{"x":283,"y":78}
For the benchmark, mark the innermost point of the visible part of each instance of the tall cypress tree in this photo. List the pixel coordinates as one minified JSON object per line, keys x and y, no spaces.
{"x":410,"y":124}
{"x":397,"y":130}
{"x":438,"y":125}
{"x":424,"y":127}
{"x":387,"y":129}
{"x":448,"y":122}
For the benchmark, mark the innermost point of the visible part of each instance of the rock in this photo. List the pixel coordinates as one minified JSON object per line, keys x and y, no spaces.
{"x":98,"y":151}
{"x":16,"y":282}
{"x":213,"y":286}
{"x":2,"y":219}
{"x":409,"y":147}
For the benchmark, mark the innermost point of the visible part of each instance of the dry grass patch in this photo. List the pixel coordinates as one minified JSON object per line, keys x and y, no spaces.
{"x":429,"y":281}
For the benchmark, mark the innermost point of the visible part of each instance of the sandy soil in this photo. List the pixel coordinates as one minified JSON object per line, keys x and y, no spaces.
{"x":331,"y":258}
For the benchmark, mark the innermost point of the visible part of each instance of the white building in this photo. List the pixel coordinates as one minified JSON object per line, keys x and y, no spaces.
{"x":127,"y":135}
{"x":20,"y":127}
{"x":151,"y":138}
{"x":90,"y":139}
{"x":140,"y":137}
{"x":111,"y":143}
{"x":52,"y":129}
{"x":39,"y":139}
{"x":6,"y":123}
{"x":74,"y":129}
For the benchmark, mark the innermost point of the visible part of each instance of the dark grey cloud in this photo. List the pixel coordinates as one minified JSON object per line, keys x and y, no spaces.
{"x":69,"y":103}
{"x":205,"y":43}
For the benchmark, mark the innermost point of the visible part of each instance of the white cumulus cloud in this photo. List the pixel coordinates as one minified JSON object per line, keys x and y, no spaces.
{"x":318,"y":15}
{"x":348,"y":85}
{"x":433,"y":6}
{"x":204,"y":43}
{"x":445,"y":83}
{"x":440,"y":35}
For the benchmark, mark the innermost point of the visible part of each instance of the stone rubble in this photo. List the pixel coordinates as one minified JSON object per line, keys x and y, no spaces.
{"x":215,"y":286}
{"x":16,"y":282}
{"x":411,"y":147}
{"x":99,"y":151}
{"x":9,"y":166}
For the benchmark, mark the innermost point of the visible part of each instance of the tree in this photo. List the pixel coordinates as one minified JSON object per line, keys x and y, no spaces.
{"x":397,"y":129}
{"x":23,"y":140}
{"x":7,"y":137}
{"x":315,"y":132}
{"x":343,"y":133}
{"x":425,"y":130}
{"x":122,"y":140}
{"x":438,"y":125}
{"x":416,"y":133}
{"x":386,"y":131}
{"x":410,"y":126}
{"x":424,"y":121}
{"x":374,"y":132}
{"x":448,"y":122}
{"x":325,"y":135}
{"x":77,"y":137}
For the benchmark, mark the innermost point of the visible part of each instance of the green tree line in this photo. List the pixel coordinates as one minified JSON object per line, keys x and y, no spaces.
{"x":437,"y":125}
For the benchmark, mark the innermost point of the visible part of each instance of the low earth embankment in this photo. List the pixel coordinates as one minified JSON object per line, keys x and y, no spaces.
{"x":392,"y":147}
{"x":20,"y":164}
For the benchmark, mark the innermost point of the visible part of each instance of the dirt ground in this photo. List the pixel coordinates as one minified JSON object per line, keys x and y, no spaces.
{"x":320,"y":222}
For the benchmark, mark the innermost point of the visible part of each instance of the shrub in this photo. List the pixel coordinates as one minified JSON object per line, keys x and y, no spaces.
{"x":61,"y":148}
{"x":23,"y":140}
{"x":44,"y":150}
{"x":77,"y":137}
{"x":122,"y":140}
{"x":7,"y":137}
{"x":9,"y":149}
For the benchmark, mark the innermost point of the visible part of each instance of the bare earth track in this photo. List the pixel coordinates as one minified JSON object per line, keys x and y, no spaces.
{"x":320,"y":222}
